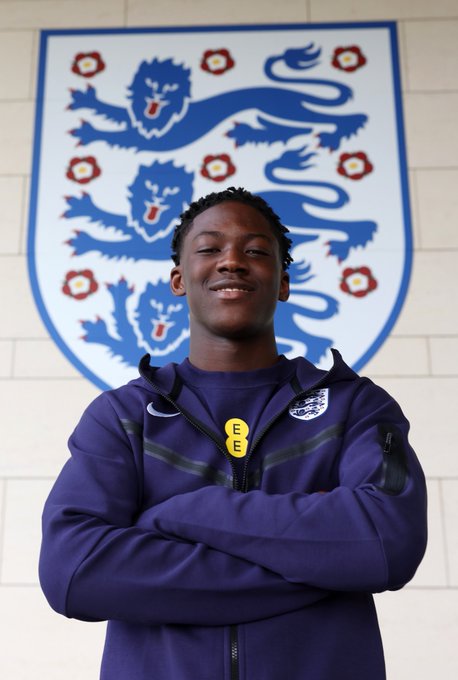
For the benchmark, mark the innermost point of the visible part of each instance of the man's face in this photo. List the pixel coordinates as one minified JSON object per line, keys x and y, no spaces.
{"x":231,"y":272}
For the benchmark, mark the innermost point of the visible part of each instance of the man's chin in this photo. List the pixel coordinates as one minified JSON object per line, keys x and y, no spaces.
{"x":240,"y":332}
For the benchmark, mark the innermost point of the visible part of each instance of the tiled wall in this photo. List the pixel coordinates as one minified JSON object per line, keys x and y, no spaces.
{"x":41,"y":395}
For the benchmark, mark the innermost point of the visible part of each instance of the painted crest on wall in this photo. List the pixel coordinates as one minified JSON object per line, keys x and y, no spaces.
{"x":132,"y":125}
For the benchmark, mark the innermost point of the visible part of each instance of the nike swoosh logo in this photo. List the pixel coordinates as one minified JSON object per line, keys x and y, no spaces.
{"x":150,"y":408}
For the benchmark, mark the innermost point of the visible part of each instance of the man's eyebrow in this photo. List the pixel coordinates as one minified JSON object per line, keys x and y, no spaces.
{"x":266,"y":237}
{"x":206,"y":233}
{"x":246,"y":237}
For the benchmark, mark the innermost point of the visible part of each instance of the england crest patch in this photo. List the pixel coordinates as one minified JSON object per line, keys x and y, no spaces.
{"x":134,"y":124}
{"x":314,"y":404}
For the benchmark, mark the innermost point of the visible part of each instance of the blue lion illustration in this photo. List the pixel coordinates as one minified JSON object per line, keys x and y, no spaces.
{"x":160,"y":103}
{"x":159,"y":95}
{"x":308,"y":304}
{"x":157,"y":196}
{"x":160,"y":324}
{"x":304,"y":225}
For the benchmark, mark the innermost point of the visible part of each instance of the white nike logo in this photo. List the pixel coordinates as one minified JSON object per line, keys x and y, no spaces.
{"x":150,"y":408}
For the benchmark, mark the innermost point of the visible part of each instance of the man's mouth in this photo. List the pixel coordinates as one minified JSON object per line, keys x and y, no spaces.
{"x":231,"y":287}
{"x":233,"y":290}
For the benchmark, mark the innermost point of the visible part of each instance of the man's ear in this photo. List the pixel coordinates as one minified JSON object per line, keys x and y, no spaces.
{"x":283,"y":294}
{"x":176,"y":282}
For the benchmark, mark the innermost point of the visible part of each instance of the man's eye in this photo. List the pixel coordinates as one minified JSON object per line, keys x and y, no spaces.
{"x":257,"y":251}
{"x":207,"y":249}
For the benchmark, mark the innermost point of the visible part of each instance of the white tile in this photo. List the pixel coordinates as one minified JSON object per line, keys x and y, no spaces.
{"x":2,"y":516}
{"x":208,"y":12}
{"x":59,"y":14}
{"x":25,"y":216}
{"x":15,"y":64}
{"x":450,"y":496}
{"x":34,"y":64}
{"x":431,"y":305}
{"x":399,"y":356}
{"x":41,"y":359}
{"x":402,"y":57}
{"x":430,"y":124}
{"x":430,"y":406}
{"x":414,"y":210}
{"x":11,"y":195}
{"x":38,"y":643}
{"x":15,"y":136}
{"x":20,"y":317}
{"x":6,"y":358}
{"x":359,"y":10}
{"x":437,"y":198}
{"x":444,"y":356}
{"x":432,"y":54}
{"x":432,"y":571}
{"x":24,"y":501}
{"x":419,"y":630}
{"x":41,"y":415}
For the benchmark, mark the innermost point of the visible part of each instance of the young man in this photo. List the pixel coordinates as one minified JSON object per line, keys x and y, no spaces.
{"x":231,"y":516}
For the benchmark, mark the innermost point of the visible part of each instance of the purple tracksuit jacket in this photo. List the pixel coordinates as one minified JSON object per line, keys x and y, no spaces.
{"x":271,"y":580}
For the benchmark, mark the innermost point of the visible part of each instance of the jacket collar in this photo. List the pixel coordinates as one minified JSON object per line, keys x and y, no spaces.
{"x":166,"y":381}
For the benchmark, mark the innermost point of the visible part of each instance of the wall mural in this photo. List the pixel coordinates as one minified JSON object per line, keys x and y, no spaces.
{"x":132,"y":125}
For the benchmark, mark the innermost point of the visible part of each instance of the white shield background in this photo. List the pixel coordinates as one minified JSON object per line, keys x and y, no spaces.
{"x":360,"y":322}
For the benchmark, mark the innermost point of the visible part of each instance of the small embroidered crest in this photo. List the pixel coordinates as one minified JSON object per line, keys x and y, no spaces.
{"x":314,"y":404}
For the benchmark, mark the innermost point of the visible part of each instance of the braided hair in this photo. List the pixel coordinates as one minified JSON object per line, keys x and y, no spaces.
{"x":241,"y":196}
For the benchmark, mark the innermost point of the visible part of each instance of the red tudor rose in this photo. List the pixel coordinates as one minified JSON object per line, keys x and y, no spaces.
{"x":217,"y":168}
{"x":79,"y":284}
{"x":354,"y":165}
{"x":357,"y":282}
{"x":83,"y":170}
{"x":88,"y":64}
{"x":217,"y":62}
{"x":348,"y":58}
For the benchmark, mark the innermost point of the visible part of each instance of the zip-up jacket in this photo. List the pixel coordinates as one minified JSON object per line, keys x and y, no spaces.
{"x":204,"y":577}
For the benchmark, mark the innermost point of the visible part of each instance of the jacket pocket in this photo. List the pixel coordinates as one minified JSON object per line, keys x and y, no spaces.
{"x":395,"y":470}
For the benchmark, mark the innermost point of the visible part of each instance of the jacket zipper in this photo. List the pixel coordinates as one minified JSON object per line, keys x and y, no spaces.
{"x":395,"y":470}
{"x":234,"y":647}
{"x":388,"y":440}
{"x":234,"y":653}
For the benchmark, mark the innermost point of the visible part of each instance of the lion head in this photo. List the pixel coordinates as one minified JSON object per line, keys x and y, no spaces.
{"x":163,"y":321}
{"x":159,"y":95}
{"x":158,"y":194}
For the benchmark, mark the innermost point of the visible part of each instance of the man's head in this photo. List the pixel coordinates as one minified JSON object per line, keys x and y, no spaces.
{"x":231,"y":268}
{"x":232,"y":194}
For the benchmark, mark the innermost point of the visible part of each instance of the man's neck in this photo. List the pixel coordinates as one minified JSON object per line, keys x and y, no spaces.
{"x":233,"y":355}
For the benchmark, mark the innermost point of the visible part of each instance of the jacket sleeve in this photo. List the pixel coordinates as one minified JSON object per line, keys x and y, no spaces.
{"x":367,"y":534}
{"x":98,"y":563}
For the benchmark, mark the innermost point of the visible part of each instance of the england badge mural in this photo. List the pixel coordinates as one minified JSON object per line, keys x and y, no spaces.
{"x":132,"y":125}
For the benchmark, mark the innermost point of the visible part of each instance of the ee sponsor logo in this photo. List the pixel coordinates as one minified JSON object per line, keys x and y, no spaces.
{"x":237,"y":437}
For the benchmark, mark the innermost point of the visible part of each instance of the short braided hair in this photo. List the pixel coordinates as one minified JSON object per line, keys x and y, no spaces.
{"x":239,"y":195}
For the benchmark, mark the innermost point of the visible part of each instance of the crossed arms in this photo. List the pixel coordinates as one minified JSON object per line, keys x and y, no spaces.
{"x":215,"y":556}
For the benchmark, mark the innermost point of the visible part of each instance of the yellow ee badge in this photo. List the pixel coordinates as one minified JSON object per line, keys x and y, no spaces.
{"x":237,"y":440}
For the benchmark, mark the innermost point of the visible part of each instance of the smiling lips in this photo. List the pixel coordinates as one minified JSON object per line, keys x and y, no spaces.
{"x":231,"y":287}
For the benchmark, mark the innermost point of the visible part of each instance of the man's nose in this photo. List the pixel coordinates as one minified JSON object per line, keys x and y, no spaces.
{"x":232,"y":259}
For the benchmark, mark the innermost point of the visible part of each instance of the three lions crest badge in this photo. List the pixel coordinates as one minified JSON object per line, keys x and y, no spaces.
{"x":312,"y":405}
{"x":132,"y":125}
